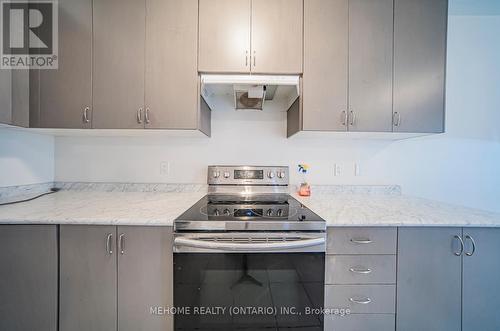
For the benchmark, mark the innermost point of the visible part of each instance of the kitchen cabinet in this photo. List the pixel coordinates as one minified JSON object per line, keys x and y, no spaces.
{"x":28,"y":277}
{"x":224,"y":36}
{"x":259,"y":36}
{"x":88,"y":282}
{"x":118,"y":64}
{"x":361,"y":275}
{"x":481,"y":267}
{"x":111,"y":276}
{"x":145,"y":277}
{"x":5,"y":96}
{"x":429,"y":279}
{"x":277,"y":36}
{"x":324,"y":94}
{"x":65,"y":94}
{"x":171,"y":84}
{"x":14,"y":97}
{"x":370,"y":65}
{"x":420,"y":30}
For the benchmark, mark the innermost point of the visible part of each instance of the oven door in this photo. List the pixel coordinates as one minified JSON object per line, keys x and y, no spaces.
{"x":239,"y":284}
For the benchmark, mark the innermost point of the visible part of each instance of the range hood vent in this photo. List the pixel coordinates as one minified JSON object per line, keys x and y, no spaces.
{"x":250,"y":92}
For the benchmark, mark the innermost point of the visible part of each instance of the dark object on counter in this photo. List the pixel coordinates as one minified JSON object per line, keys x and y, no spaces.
{"x":52,"y":190}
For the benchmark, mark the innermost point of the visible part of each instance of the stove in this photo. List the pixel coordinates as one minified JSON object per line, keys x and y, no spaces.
{"x":248,"y":198}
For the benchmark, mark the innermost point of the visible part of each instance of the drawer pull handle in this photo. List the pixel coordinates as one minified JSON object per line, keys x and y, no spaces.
{"x":361,"y":241}
{"x":360,"y":270}
{"x":361,"y":301}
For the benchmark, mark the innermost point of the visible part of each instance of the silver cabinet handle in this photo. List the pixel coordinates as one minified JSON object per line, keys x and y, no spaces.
{"x":352,"y":116}
{"x":254,"y":59}
{"x":344,"y":118}
{"x":461,"y":245}
{"x":139,"y":115}
{"x":397,"y":119}
{"x":146,"y":116}
{"x":360,"y":270}
{"x":86,"y":118}
{"x":361,"y":241}
{"x":364,"y":301}
{"x":109,"y":247}
{"x":467,"y":237}
{"x":121,"y":243}
{"x":246,"y":58}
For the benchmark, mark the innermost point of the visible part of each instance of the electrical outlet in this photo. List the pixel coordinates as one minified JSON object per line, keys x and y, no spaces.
{"x":337,"y":170}
{"x":164,"y":168}
{"x":357,"y":169}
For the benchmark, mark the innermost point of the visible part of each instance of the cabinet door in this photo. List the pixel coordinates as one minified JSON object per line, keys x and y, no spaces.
{"x":420,"y":29}
{"x":481,"y":288}
{"x":118,"y":75}
{"x":28,"y":277}
{"x":277,"y":36}
{"x":370,"y":65}
{"x":5,"y":96}
{"x":224,"y":36}
{"x":429,"y":279}
{"x":145,"y":277}
{"x":325,"y":65}
{"x":171,"y":64}
{"x":87,"y":278}
{"x":67,"y":91}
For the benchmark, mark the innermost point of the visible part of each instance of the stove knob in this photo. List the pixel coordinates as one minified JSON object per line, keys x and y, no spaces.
{"x":302,"y":217}
{"x":216,"y":212}
{"x":216,"y":174}
{"x":270,"y":174}
{"x":279,"y":213}
{"x":227,"y":212}
{"x":269,"y":212}
{"x":281,"y":174}
{"x":226,"y":174}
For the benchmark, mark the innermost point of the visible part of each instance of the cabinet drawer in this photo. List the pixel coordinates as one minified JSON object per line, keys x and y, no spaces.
{"x":362,"y":241}
{"x":357,"y":322}
{"x":362,"y":299}
{"x":360,"y":269}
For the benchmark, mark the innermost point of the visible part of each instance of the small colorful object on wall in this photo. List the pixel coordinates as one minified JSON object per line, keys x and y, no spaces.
{"x":305,"y":188}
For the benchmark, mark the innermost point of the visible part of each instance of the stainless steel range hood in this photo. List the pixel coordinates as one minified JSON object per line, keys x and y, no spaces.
{"x":250,"y":92}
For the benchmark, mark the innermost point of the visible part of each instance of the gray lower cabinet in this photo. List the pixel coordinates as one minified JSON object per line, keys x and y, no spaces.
{"x":28,"y":277}
{"x":111,"y":276}
{"x":65,"y":94}
{"x":118,"y":64}
{"x":88,"y":285}
{"x":145,"y":277}
{"x":420,"y":30}
{"x":481,"y":288}
{"x":429,"y":283}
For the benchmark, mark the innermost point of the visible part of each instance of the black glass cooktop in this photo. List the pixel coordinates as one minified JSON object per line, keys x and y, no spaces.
{"x":268,"y":207}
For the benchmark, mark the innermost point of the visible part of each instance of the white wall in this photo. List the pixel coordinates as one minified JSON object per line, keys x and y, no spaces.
{"x":25,"y":158}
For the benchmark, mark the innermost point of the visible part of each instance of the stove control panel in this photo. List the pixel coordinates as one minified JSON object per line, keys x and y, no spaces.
{"x":247,"y":175}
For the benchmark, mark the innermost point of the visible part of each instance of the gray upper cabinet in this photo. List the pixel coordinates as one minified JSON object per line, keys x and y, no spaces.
{"x":28,"y":277}
{"x":145,"y":277}
{"x":420,"y":30}
{"x":481,"y":267}
{"x":224,"y":36}
{"x":66,"y":93}
{"x":429,"y":279}
{"x":277,"y":36}
{"x":14,"y":97}
{"x":370,"y":65}
{"x":171,"y":84}
{"x":88,"y":288}
{"x":118,"y":70}
{"x":324,"y":95}
{"x":5,"y":96}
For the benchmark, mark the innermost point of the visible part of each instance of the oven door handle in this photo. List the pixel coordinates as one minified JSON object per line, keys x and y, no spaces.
{"x":269,"y":246}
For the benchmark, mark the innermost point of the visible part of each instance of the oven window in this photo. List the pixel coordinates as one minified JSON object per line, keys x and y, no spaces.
{"x":249,"y":291}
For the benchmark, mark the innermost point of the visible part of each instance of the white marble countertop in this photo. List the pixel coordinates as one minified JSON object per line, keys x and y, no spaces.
{"x":337,"y":207}
{"x":87,"y":207}
{"x":393,"y":210}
